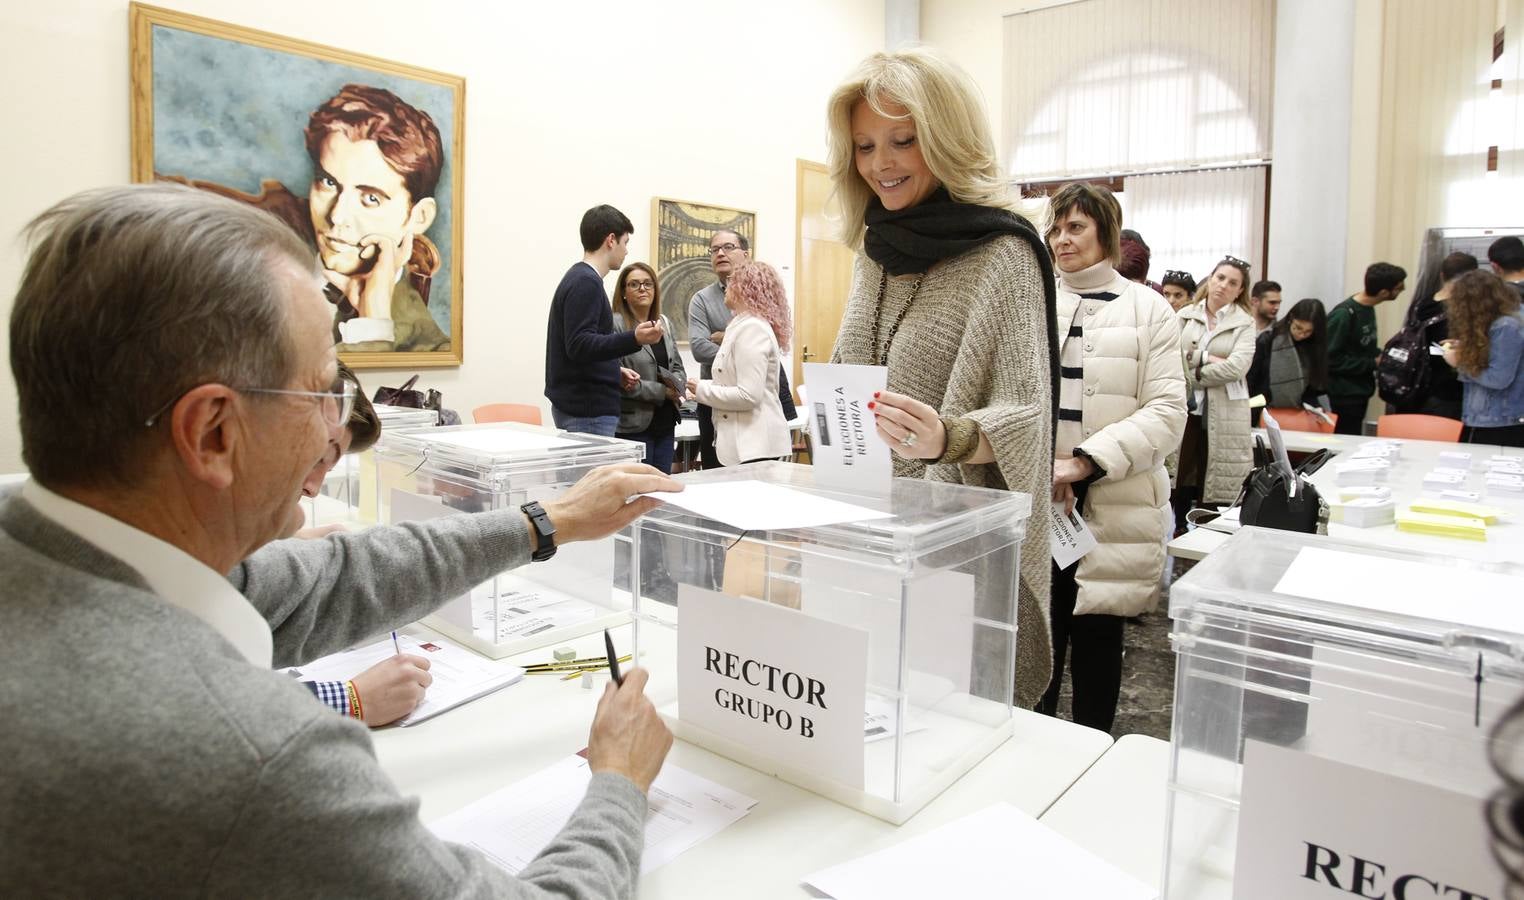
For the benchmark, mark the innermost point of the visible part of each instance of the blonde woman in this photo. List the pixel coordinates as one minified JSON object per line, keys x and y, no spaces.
{"x":1217,"y":342}
{"x":1121,"y":411}
{"x":748,"y":417}
{"x":953,"y":291}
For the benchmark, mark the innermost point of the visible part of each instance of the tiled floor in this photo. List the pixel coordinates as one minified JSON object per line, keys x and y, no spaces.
{"x":1148,"y":674}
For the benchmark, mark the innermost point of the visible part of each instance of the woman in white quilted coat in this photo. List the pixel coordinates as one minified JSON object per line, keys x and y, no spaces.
{"x":1217,"y":341}
{"x":1121,"y":412}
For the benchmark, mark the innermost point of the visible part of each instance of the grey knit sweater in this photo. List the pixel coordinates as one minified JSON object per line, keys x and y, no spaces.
{"x":974,"y":343}
{"x":143,"y":756}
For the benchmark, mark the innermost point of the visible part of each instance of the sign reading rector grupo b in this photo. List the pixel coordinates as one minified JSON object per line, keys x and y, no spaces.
{"x":775,"y":680}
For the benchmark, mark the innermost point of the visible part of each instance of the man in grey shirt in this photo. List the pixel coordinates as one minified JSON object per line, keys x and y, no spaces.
{"x":708,"y":317}
{"x":175,"y":368}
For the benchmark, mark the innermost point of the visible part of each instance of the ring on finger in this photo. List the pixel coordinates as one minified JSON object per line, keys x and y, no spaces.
{"x":908,"y":440}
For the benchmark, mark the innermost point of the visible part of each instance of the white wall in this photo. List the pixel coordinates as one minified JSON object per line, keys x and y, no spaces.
{"x":568,"y":105}
{"x":1309,"y":199}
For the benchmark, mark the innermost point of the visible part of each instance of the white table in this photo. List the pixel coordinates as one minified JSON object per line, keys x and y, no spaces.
{"x":471,"y":751}
{"x":1505,"y":540}
{"x":1116,"y":810}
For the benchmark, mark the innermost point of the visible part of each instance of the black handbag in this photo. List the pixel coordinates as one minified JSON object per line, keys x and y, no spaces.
{"x":1266,"y":499}
{"x":414,"y":399}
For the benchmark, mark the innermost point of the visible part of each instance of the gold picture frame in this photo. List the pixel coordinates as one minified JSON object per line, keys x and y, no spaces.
{"x":680,"y":232}
{"x":249,"y":114}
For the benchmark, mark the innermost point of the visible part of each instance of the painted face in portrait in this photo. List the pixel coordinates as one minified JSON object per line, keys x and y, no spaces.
{"x":888,"y":152}
{"x":358,"y":199}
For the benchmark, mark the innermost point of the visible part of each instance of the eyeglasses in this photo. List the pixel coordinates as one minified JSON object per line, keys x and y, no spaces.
{"x":337,"y":404}
{"x":1232,"y":260}
{"x":631,"y":286}
{"x":723,"y":248}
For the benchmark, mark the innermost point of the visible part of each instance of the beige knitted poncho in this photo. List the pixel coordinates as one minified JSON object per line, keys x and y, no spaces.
{"x":974,"y":344}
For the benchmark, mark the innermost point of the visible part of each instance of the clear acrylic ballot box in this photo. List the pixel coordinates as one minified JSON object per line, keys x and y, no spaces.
{"x":476,"y":468}
{"x":394,"y":420}
{"x":1382,"y":667}
{"x":896,"y":635}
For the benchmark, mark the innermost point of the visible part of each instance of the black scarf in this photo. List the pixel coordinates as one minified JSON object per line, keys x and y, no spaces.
{"x":910,"y":241}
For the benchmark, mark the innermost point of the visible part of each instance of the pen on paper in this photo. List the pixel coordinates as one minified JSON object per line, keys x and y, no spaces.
{"x":396,"y":646}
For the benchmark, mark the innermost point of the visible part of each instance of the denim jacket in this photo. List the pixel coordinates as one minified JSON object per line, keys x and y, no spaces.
{"x":1494,"y":397}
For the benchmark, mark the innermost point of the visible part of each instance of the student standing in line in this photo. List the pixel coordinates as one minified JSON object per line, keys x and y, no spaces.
{"x":1264,"y":304}
{"x":1217,"y":343}
{"x":1442,"y":395}
{"x":583,"y":378}
{"x":1179,"y":288}
{"x":1352,"y":348}
{"x":748,"y":420}
{"x":1486,"y":347}
{"x":1290,"y":366}
{"x":1121,"y":411}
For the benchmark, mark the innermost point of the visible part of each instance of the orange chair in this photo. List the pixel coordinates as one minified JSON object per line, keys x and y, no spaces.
{"x":507,"y":412}
{"x":1301,"y":420}
{"x":1419,"y":428}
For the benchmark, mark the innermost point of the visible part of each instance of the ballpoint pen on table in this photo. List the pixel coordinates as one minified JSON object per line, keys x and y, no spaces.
{"x":579,"y":671}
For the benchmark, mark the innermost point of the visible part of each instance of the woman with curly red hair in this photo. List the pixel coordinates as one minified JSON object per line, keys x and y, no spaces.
{"x":748,"y":419}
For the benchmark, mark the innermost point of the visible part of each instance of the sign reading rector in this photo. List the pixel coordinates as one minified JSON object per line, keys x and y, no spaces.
{"x":775,"y":680}
{"x":1311,"y":828}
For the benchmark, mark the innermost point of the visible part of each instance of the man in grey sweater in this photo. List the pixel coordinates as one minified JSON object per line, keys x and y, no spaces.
{"x":708,"y":317}
{"x":176,"y":375}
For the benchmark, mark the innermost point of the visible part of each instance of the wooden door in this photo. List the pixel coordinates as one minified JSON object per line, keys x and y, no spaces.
{"x":823,"y":270}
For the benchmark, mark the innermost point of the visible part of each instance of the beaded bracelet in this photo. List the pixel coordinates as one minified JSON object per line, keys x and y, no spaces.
{"x":962,"y":440}
{"x":355,"y":709}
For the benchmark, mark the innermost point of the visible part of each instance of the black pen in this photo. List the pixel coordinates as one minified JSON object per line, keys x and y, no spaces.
{"x":613,"y":658}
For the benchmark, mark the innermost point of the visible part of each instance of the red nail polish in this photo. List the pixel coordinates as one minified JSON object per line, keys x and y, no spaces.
{"x":875,"y":395}
{"x":870,"y":402}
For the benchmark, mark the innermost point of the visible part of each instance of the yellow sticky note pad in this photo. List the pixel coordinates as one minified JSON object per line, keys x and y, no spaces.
{"x":1442,"y":525}
{"x":1460,"y":508}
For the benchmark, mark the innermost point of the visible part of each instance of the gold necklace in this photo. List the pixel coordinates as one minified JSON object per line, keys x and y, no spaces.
{"x":883,"y":289}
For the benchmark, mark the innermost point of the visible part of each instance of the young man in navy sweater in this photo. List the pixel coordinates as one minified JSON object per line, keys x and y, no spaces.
{"x":582,"y":350}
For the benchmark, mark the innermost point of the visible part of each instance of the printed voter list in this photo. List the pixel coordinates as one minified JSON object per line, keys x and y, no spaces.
{"x":845,"y":449}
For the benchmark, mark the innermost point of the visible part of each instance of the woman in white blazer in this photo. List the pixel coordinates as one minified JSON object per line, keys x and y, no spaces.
{"x":1121,"y":412}
{"x":748,"y":419}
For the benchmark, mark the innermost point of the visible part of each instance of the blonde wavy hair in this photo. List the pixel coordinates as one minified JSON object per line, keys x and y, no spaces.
{"x":1242,"y":300}
{"x":951,"y":127}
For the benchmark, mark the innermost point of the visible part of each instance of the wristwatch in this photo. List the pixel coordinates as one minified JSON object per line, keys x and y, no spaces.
{"x":544,"y":531}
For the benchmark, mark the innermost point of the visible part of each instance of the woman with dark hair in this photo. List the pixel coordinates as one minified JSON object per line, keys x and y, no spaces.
{"x":1217,"y":340}
{"x":1486,"y":347}
{"x":1179,"y":288}
{"x":648,"y":408}
{"x":1121,"y":410}
{"x":1290,"y":366}
{"x":1441,"y":395}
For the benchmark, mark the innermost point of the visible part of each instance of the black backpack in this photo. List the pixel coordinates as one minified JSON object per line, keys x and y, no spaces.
{"x":1403,"y":370}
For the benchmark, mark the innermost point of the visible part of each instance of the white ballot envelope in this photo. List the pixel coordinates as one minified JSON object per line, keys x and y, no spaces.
{"x":845,"y":448}
{"x":1071,"y":538}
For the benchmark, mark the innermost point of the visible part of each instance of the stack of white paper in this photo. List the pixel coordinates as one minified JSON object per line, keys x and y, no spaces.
{"x":1455,"y":459}
{"x":997,"y":852}
{"x":1383,"y":449}
{"x":1365,"y":512}
{"x":1445,"y":479}
{"x":514,"y":824}
{"x":1505,"y":482}
{"x":1366,"y":471}
{"x":459,"y":675}
{"x":1364,"y":493}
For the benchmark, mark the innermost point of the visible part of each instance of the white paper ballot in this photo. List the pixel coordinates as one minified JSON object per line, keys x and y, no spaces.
{"x":763,"y":506}
{"x":997,"y":852}
{"x":1425,"y":590}
{"x":1071,"y":538}
{"x":459,"y":675}
{"x":501,"y":440}
{"x":514,"y":824}
{"x":845,"y":449}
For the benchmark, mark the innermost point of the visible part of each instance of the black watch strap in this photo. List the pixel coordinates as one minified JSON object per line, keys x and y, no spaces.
{"x":544,"y":531}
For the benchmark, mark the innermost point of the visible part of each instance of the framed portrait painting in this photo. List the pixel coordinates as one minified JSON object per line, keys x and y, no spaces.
{"x":362,"y":157}
{"x":680,"y":251}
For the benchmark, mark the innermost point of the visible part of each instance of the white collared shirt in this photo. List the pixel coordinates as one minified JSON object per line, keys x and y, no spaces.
{"x":177,"y":577}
